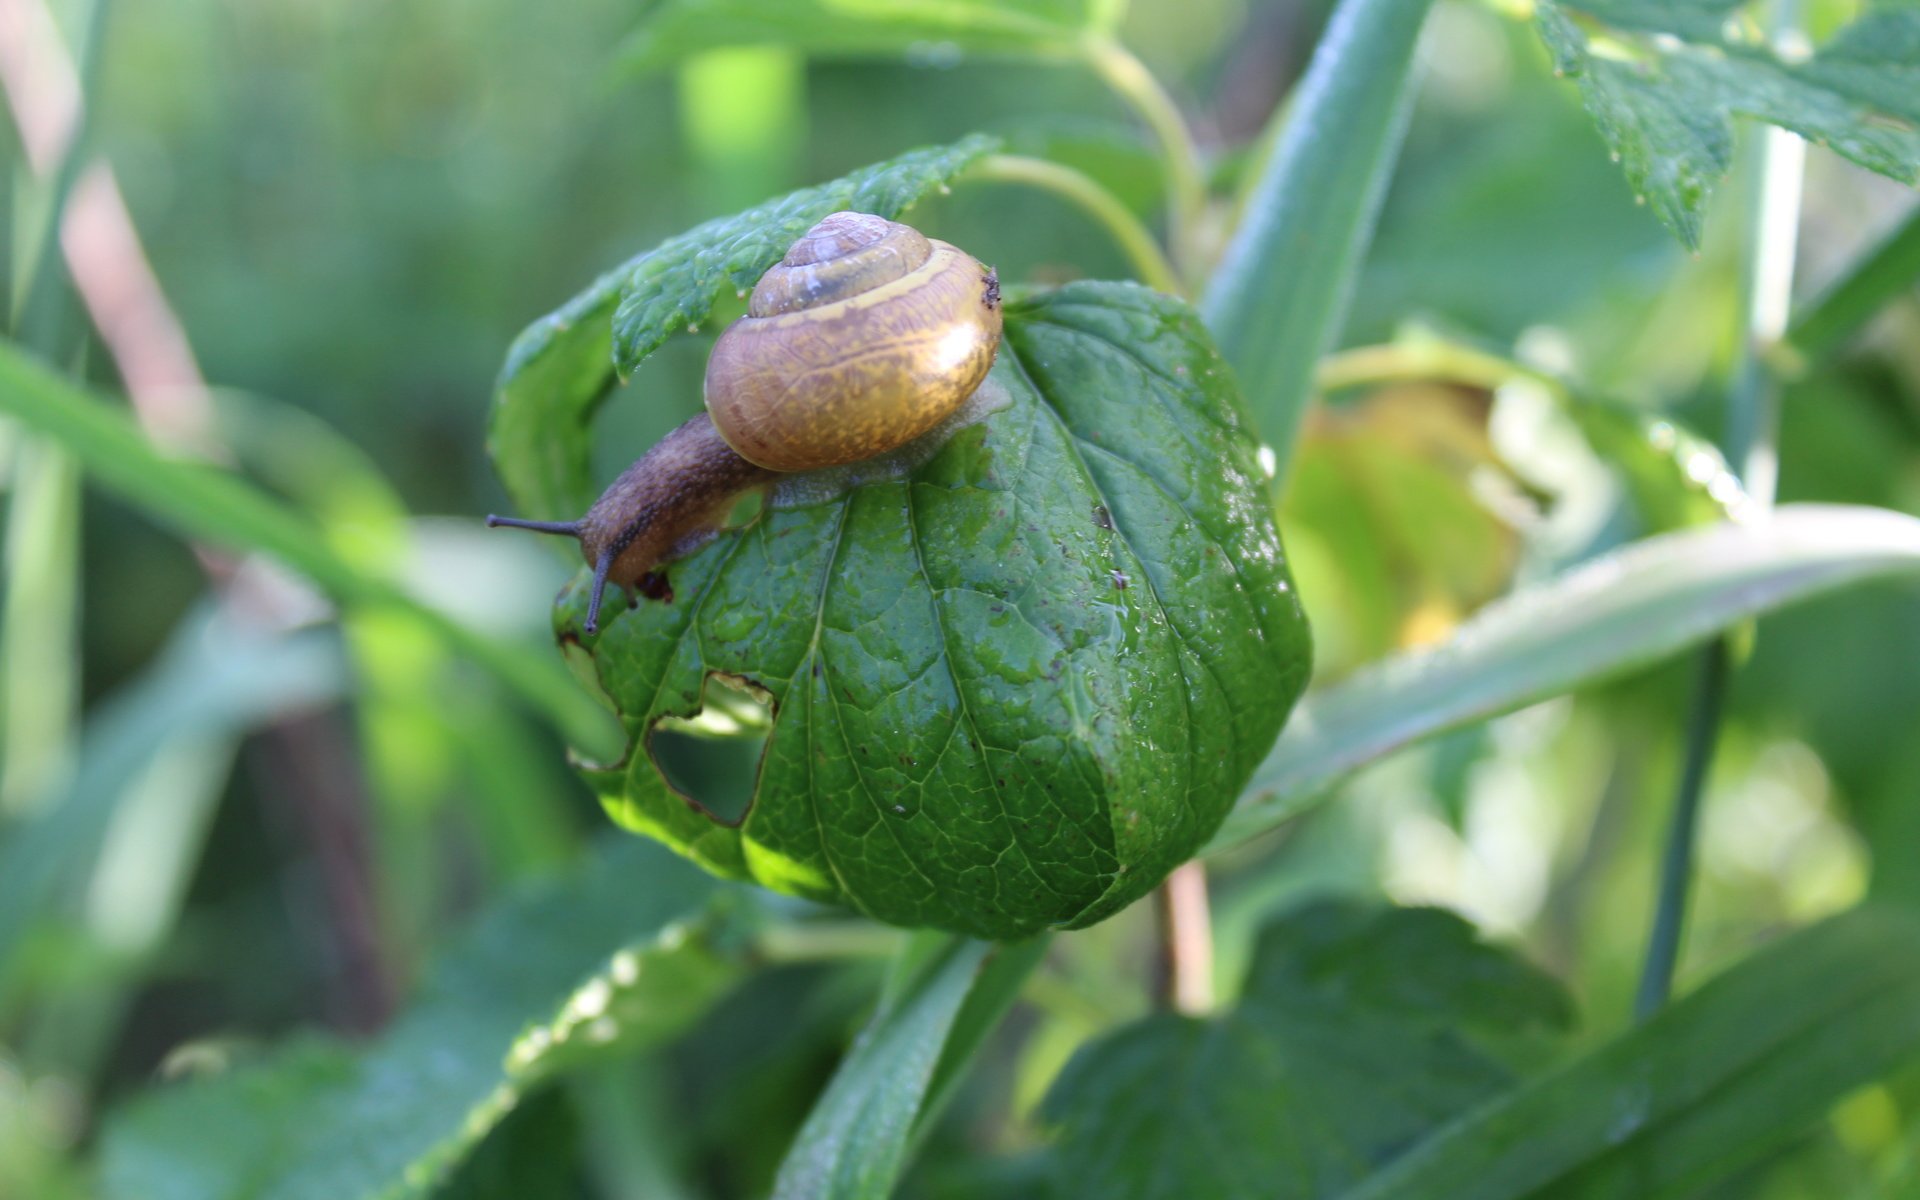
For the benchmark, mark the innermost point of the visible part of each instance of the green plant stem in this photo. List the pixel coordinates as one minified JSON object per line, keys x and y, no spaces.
{"x":1753,"y":420}
{"x":1676,"y":866}
{"x":1422,"y":360}
{"x":1184,"y":980}
{"x":825,"y":941}
{"x":1881,"y":274}
{"x":1753,"y":407}
{"x":1149,"y":262}
{"x":1186,"y":184}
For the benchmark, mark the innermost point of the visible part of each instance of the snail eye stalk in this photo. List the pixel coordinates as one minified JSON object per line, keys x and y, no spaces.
{"x":567,"y":528}
{"x":600,"y":570}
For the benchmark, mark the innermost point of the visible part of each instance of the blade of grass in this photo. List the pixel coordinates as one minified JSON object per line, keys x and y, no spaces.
{"x":1825,"y":325}
{"x":39,"y":633}
{"x":1280,"y":295}
{"x":945,"y":995}
{"x":207,"y":503}
{"x":1610,"y":616}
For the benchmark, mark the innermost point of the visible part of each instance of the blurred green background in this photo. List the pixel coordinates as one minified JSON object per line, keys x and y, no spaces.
{"x":353,"y":208}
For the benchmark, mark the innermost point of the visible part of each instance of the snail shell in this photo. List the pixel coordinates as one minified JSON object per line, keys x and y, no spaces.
{"x":865,"y":336}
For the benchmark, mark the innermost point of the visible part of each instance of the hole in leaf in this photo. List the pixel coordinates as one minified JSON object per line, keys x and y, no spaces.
{"x":712,"y":759}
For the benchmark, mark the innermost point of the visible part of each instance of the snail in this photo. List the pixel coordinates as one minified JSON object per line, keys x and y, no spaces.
{"x":866,"y":335}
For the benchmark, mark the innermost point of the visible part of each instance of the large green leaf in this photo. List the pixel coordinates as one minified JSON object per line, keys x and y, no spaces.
{"x":856,"y":1141}
{"x":561,"y":368}
{"x":1280,"y":295}
{"x":622,"y":953}
{"x":1608,"y":617}
{"x":1673,"y":76}
{"x":1013,"y":683}
{"x":1723,"y":1079}
{"x":1358,"y":1032}
{"x":1353,"y":1069}
{"x":670,"y":30}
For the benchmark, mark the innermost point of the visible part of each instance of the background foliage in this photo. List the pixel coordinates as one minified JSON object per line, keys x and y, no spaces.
{"x":299,"y":896}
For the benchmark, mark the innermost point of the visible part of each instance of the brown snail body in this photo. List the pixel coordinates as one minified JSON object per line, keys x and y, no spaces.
{"x":865,"y":336}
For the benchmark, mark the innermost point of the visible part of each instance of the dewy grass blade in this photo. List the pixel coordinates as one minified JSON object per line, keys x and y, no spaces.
{"x":1601,"y":620}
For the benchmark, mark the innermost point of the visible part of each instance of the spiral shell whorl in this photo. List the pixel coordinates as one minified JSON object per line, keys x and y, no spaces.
{"x":865,"y":336}
{"x":845,"y":254}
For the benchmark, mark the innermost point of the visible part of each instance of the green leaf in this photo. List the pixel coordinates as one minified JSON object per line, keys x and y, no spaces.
{"x":1013,"y":683}
{"x":623,"y":953}
{"x":561,"y":368}
{"x":1723,"y":1079}
{"x":207,"y":503}
{"x":855,"y":1143}
{"x":221,"y":1138}
{"x":1601,"y":620}
{"x":1672,"y":77}
{"x":1358,"y":1032}
{"x":1358,"y":1066}
{"x":672,"y":30}
{"x":1280,"y":296}
{"x":995,"y":989}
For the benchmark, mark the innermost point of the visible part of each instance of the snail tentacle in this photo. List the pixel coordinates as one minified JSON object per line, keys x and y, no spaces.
{"x":569,"y":528}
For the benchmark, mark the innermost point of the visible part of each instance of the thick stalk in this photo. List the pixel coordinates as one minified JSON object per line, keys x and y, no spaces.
{"x":1185,"y":983}
{"x":1279,"y":298}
